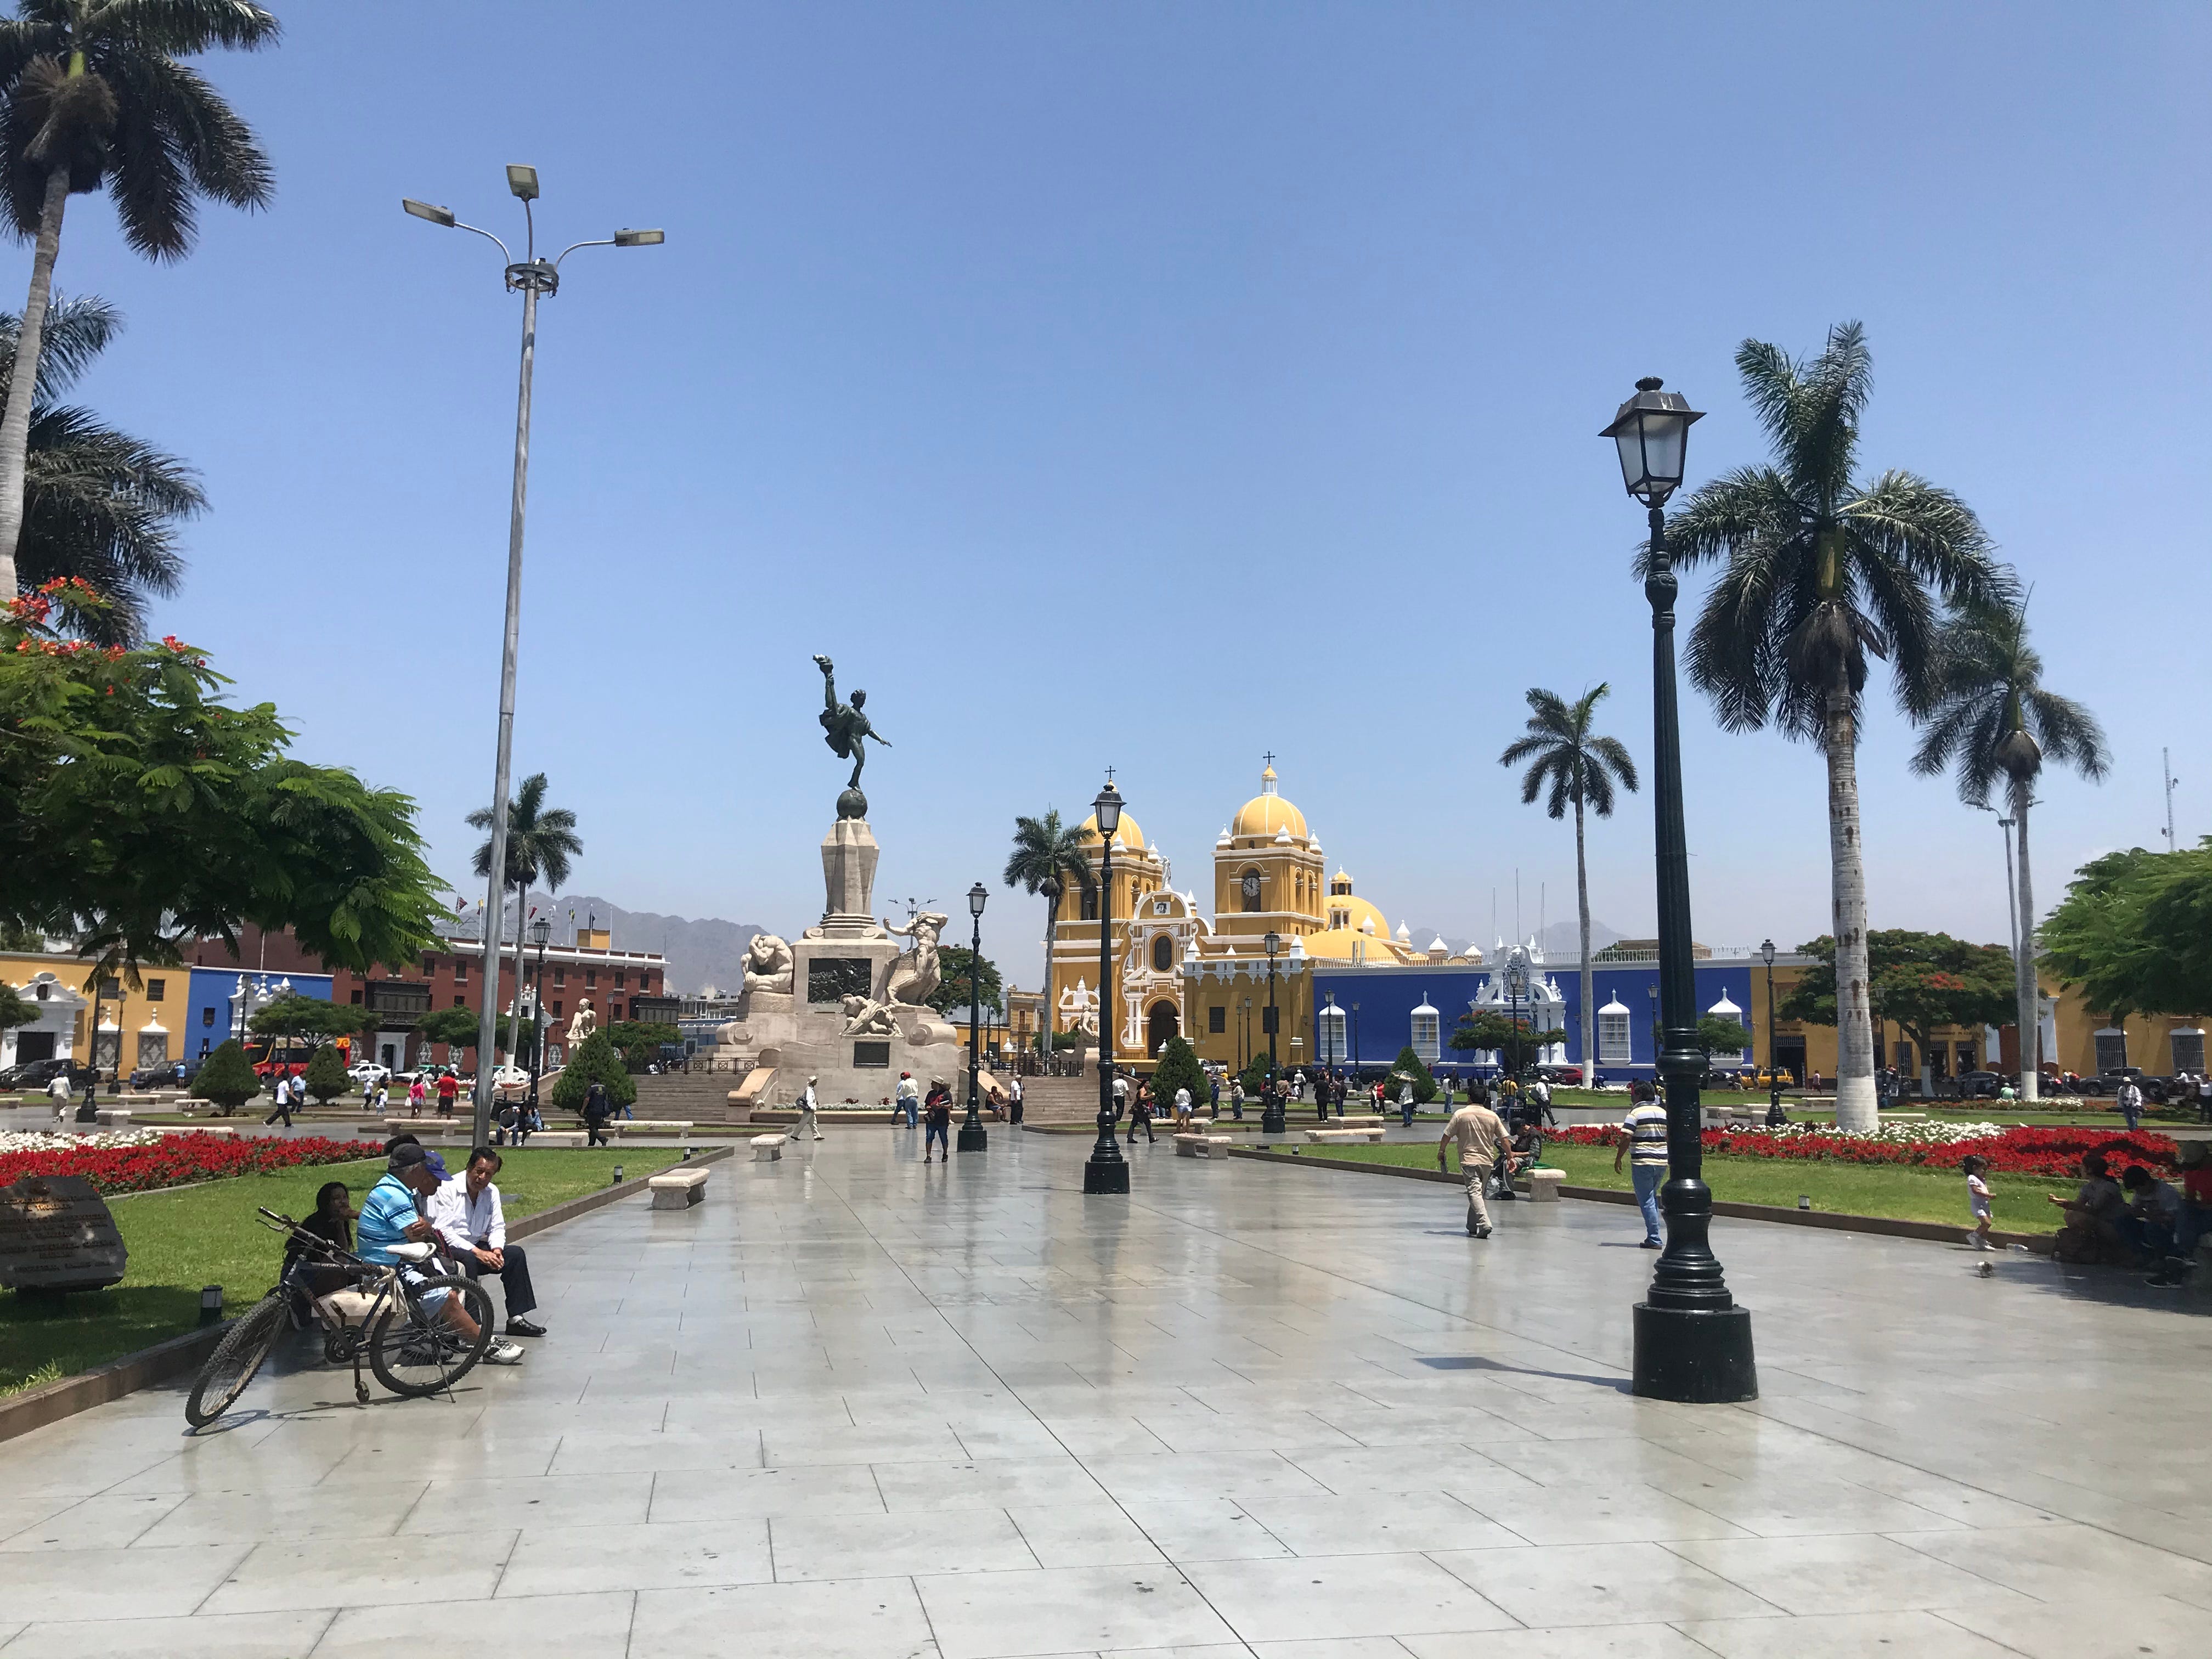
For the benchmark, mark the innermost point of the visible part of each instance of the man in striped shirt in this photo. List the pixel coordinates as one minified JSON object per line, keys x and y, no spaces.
{"x":1643,"y":1142}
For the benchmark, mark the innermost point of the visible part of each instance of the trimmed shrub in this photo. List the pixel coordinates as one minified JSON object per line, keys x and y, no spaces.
{"x":326,"y":1075}
{"x":1178,"y":1068}
{"x":594,"y":1061}
{"x":1425,"y":1085}
{"x":228,"y":1078}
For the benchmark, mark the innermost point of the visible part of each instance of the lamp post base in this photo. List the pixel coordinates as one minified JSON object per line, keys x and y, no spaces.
{"x":1271,"y":1121}
{"x":1101,"y":1176}
{"x":972,"y":1138}
{"x":1695,"y":1358}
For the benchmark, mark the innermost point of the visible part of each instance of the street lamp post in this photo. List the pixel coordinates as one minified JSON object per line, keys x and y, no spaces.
{"x":541,"y":933}
{"x":1692,"y":1343}
{"x":1355,"y":1041}
{"x":1773,"y":1070}
{"x":1271,"y":1110}
{"x":1517,"y":982}
{"x":974,"y":1138}
{"x":532,"y":275}
{"x":1106,"y":1171}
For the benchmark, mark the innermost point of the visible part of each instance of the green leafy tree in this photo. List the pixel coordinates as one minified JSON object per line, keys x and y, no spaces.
{"x":457,"y":1028}
{"x":1821,"y":569}
{"x":1922,"y":984}
{"x":1178,"y":1068}
{"x":326,"y":1075}
{"x":1579,"y":769}
{"x":99,"y":504}
{"x":1255,"y":1078}
{"x":1997,"y":724}
{"x":1047,"y":855}
{"x":1512,"y":1036}
{"x":16,"y":1009}
{"x":638,"y":1041}
{"x":138,"y":809}
{"x":1719,"y":1035}
{"x":311,"y":1022}
{"x":226,"y":1077}
{"x":541,"y":840}
{"x":950,"y":996}
{"x":93,"y":95}
{"x":1425,"y":1085}
{"x":594,"y":1060}
{"x":2135,"y":933}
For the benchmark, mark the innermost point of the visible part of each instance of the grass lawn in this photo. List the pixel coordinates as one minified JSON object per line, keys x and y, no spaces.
{"x":209,"y":1234}
{"x":1902,"y":1194}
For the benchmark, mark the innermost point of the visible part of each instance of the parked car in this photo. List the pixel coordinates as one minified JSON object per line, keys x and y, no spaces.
{"x":175,"y":1074}
{"x":368,"y":1072}
{"x":1572,"y":1076}
{"x":39,"y":1073}
{"x":1975,"y":1086}
{"x":2106,"y":1084}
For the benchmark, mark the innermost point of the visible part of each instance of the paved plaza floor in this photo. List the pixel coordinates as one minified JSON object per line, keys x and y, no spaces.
{"x":859,"y":1408}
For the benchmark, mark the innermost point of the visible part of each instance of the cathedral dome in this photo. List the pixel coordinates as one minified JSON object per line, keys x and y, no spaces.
{"x":1127,"y":835}
{"x":1268,"y":814}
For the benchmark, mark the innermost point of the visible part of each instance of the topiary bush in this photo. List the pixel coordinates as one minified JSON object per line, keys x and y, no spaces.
{"x":226,"y":1079}
{"x":1425,"y":1085}
{"x":1255,"y":1078}
{"x":326,"y":1075}
{"x":1178,"y":1068}
{"x":594,"y":1060}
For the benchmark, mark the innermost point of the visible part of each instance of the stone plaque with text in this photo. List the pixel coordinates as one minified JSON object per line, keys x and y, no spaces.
{"x":56,"y":1234}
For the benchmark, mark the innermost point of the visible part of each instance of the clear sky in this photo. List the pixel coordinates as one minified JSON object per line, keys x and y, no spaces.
{"x":1159,"y":385}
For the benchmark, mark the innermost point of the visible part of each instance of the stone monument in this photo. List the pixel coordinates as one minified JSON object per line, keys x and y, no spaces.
{"x":842,"y":1002}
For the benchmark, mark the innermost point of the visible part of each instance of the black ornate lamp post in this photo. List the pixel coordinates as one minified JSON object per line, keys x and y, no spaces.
{"x":1106,"y":1171}
{"x":1773,"y":1068}
{"x":1271,"y":1111}
{"x":974,"y":1138}
{"x":541,"y":933}
{"x":1355,"y":1041}
{"x":1516,"y":983}
{"x":1692,"y":1342}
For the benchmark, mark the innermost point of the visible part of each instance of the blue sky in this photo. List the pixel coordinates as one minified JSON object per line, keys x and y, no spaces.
{"x":1158,"y":385}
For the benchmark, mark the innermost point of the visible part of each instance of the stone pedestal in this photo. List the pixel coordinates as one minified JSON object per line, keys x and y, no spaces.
{"x":848,"y":877}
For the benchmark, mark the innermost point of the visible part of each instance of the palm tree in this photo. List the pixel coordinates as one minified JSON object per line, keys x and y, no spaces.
{"x":1993,"y":717}
{"x":1819,"y":570}
{"x":99,"y":503}
{"x":540,"y":842}
{"x":1045,"y":851}
{"x":1580,"y":769}
{"x":92,"y":94}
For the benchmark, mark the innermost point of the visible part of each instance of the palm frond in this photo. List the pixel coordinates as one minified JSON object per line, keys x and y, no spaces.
{"x":183,"y":29}
{"x":78,"y":328}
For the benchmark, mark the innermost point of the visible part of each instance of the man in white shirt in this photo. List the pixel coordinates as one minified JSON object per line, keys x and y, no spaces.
{"x":283,"y":1108}
{"x":58,"y":1089}
{"x":467,"y":1214}
{"x":908,"y":1094}
{"x":810,"y":1121}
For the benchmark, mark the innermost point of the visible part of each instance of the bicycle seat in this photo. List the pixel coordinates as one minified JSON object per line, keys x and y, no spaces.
{"x":412,"y":1253}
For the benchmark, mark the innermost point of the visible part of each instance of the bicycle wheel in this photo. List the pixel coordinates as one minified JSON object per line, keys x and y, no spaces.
{"x":235,"y":1359}
{"x":413,"y":1347}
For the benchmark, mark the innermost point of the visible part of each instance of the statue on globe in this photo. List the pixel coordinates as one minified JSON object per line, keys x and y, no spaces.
{"x":845,"y":728}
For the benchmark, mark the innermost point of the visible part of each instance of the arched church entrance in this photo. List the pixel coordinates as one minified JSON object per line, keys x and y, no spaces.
{"x":1160,"y":1025}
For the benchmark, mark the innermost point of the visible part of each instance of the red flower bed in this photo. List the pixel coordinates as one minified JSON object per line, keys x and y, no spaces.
{"x":178,"y":1160}
{"x":2017,"y":1150}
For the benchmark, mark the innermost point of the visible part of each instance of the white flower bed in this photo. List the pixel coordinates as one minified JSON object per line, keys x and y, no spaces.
{"x":1930,"y":1134}
{"x":38,"y":1141}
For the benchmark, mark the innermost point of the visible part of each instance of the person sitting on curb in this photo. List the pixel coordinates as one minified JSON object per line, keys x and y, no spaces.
{"x":466,"y":1211}
{"x":2092,"y":1232}
{"x":392,"y":1214}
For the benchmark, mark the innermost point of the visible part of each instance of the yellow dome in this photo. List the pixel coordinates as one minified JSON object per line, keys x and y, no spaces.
{"x":1360,"y":911}
{"x":1267,"y":813}
{"x":1128,"y":834}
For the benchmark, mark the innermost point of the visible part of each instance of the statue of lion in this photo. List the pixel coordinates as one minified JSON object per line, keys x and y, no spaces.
{"x":914,"y":975}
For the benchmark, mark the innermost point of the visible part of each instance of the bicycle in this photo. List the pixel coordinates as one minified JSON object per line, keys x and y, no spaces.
{"x":400,"y":1325}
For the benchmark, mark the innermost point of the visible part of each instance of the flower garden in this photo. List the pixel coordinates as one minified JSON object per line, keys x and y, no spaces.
{"x":143,"y":1160}
{"x":2011,"y":1149}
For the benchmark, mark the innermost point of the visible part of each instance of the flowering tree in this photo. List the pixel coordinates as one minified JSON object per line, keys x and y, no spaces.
{"x":1922,"y":982}
{"x":139,"y":810}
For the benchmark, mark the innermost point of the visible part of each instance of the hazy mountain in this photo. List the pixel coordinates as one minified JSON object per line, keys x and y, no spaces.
{"x":707,"y":951}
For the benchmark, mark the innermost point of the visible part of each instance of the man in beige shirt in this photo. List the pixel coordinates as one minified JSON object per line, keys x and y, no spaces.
{"x":1482,"y":1137}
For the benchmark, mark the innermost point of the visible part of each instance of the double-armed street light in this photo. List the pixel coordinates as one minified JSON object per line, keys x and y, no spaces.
{"x":1106,"y":1171}
{"x":1692,"y":1343}
{"x":530,"y":275}
{"x":974,"y":1138}
{"x":1270,"y":1109}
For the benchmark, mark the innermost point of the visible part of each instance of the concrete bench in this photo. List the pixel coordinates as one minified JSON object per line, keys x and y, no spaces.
{"x":393,"y":1125}
{"x":113,"y":1117}
{"x":651,"y":1125}
{"x":557,"y":1138}
{"x":1540,"y":1185}
{"x":220,"y":1130}
{"x":1334,"y":1137}
{"x":1358,"y":1122}
{"x":678,"y":1189}
{"x":766,"y":1149}
{"x":1201,"y":1145}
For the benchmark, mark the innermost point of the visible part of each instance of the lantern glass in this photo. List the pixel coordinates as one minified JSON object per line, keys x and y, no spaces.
{"x":541,"y":932}
{"x":1767,"y":951}
{"x":1109,"y":808}
{"x":1652,"y":431}
{"x":1274,"y":942}
{"x":977,"y":895}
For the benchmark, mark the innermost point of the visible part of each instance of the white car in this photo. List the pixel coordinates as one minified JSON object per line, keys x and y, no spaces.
{"x":367,"y":1074}
{"x":506,"y":1077}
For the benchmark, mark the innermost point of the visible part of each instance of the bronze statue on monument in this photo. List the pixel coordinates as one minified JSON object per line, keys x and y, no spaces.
{"x":844,"y":729}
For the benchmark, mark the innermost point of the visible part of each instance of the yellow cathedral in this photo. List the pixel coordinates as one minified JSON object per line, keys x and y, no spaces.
{"x":1177,"y":973}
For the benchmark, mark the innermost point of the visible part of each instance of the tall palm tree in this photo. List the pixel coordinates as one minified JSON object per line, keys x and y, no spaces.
{"x":540,"y":842}
{"x":1819,"y":570}
{"x":1992,"y":718}
{"x":1046,"y":851}
{"x":99,"y":504}
{"x":1580,"y":769}
{"x":92,"y":94}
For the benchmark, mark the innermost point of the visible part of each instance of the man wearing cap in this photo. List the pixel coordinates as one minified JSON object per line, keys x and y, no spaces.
{"x":909,"y":1099}
{"x":810,"y":1122}
{"x":392,"y":1214}
{"x":466,"y":1211}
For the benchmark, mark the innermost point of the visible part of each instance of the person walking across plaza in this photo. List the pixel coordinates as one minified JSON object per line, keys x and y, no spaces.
{"x":2130,"y":1102}
{"x":466,"y":1211}
{"x":1977,"y":1199}
{"x":1406,"y":1099}
{"x":283,"y":1107}
{"x":809,"y":1127}
{"x":909,"y":1095}
{"x":597,"y":1108}
{"x":1140,"y":1114}
{"x":1014,"y":1100}
{"x":938,"y":1115}
{"x":1480,"y":1138}
{"x":58,"y":1092}
{"x":1643,"y":1141}
{"x":449,"y":1094}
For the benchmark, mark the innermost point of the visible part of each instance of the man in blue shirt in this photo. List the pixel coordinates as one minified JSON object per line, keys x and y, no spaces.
{"x":392,"y":1215}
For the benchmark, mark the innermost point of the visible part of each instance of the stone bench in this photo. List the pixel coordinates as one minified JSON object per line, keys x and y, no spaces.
{"x":393,"y":1125}
{"x":651,"y":1126}
{"x":557,"y":1138}
{"x":1540,"y":1185}
{"x":1332,"y":1137}
{"x":1358,"y":1122}
{"x":220,"y":1130}
{"x":767,"y":1149}
{"x":1201,"y":1145}
{"x":113,"y":1117}
{"x":678,"y":1189}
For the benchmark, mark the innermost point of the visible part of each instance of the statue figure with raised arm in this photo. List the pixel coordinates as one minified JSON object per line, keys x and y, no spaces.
{"x":844,"y":726}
